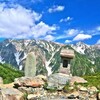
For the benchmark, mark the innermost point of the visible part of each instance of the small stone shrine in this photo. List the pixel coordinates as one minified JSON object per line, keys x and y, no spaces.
{"x":66,"y":56}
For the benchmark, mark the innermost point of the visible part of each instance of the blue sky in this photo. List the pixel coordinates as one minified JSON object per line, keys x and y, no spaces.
{"x":64,"y":21}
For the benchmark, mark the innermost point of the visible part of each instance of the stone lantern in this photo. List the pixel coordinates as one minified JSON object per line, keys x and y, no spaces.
{"x":66,"y":56}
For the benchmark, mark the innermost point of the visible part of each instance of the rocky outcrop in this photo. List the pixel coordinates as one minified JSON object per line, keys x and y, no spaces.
{"x":58,"y":80}
{"x":10,"y":85}
{"x":36,"y":81}
{"x":77,"y":80}
{"x":55,"y":87}
{"x":90,"y":93}
{"x":11,"y":94}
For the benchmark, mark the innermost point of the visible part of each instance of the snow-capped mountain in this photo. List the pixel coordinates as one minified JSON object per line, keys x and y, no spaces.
{"x":14,"y":52}
{"x":91,"y":51}
{"x":80,"y":47}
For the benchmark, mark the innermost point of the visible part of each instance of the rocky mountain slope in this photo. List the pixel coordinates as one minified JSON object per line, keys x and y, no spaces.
{"x":91,"y":52}
{"x":14,"y":52}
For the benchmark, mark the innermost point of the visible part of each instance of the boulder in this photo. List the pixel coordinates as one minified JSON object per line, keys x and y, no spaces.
{"x":1,"y":80}
{"x":42,"y":77}
{"x":31,"y":96}
{"x":26,"y":90}
{"x":83,"y":93}
{"x":10,"y":85}
{"x":65,"y":70}
{"x":93,"y":92}
{"x":71,"y":97}
{"x":36,"y":81}
{"x":34,"y":97}
{"x":11,"y":94}
{"x":58,"y":80}
{"x":37,"y":94}
{"x":75,"y":93}
{"x":84,"y":89}
{"x":93,"y":89}
{"x":77,"y":80}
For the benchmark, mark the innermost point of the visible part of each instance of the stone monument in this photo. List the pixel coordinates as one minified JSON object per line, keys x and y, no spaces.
{"x":30,"y":65}
{"x":66,"y":56}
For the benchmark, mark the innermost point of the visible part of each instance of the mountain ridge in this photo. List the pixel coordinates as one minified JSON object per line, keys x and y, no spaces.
{"x":47,"y":53}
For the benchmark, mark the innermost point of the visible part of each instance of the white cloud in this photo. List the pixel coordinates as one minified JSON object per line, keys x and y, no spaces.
{"x":19,"y":22}
{"x":55,"y":9}
{"x":42,"y":29}
{"x":72,"y":32}
{"x":98,"y":42}
{"x":68,"y":41}
{"x":69,"y":33}
{"x":49,"y":38}
{"x":98,"y":28}
{"x":82,"y":37}
{"x":66,"y":19}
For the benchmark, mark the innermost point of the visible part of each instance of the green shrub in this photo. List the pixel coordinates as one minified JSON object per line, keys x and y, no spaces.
{"x":93,"y":80}
{"x":9,"y":73}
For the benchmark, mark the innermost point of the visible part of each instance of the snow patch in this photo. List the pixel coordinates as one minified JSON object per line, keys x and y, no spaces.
{"x":49,"y":69}
{"x":25,"y":55}
{"x":79,"y":49}
{"x":20,"y":67}
{"x":52,"y":48}
{"x":17,"y":55}
{"x":1,"y":60}
{"x":7,"y":44}
{"x":47,"y":63}
{"x":26,"y":42}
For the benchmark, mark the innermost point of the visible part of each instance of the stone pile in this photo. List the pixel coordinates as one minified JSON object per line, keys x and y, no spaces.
{"x":57,"y":86}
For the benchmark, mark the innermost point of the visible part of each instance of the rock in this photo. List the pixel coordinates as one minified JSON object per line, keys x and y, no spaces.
{"x":42,"y":77}
{"x":30,"y":66}
{"x":28,"y":90}
{"x":39,"y":91}
{"x":71,"y":97}
{"x":92,"y":92}
{"x":65,"y":70}
{"x":93,"y":89}
{"x":35,"y":97}
{"x":11,"y":94}
{"x":83,"y":89}
{"x":83,"y":94}
{"x":1,"y":80}
{"x":36,"y":81}
{"x":31,"y":96}
{"x":77,"y":80}
{"x":58,"y":80}
{"x":75,"y":93}
{"x":10,"y":85}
